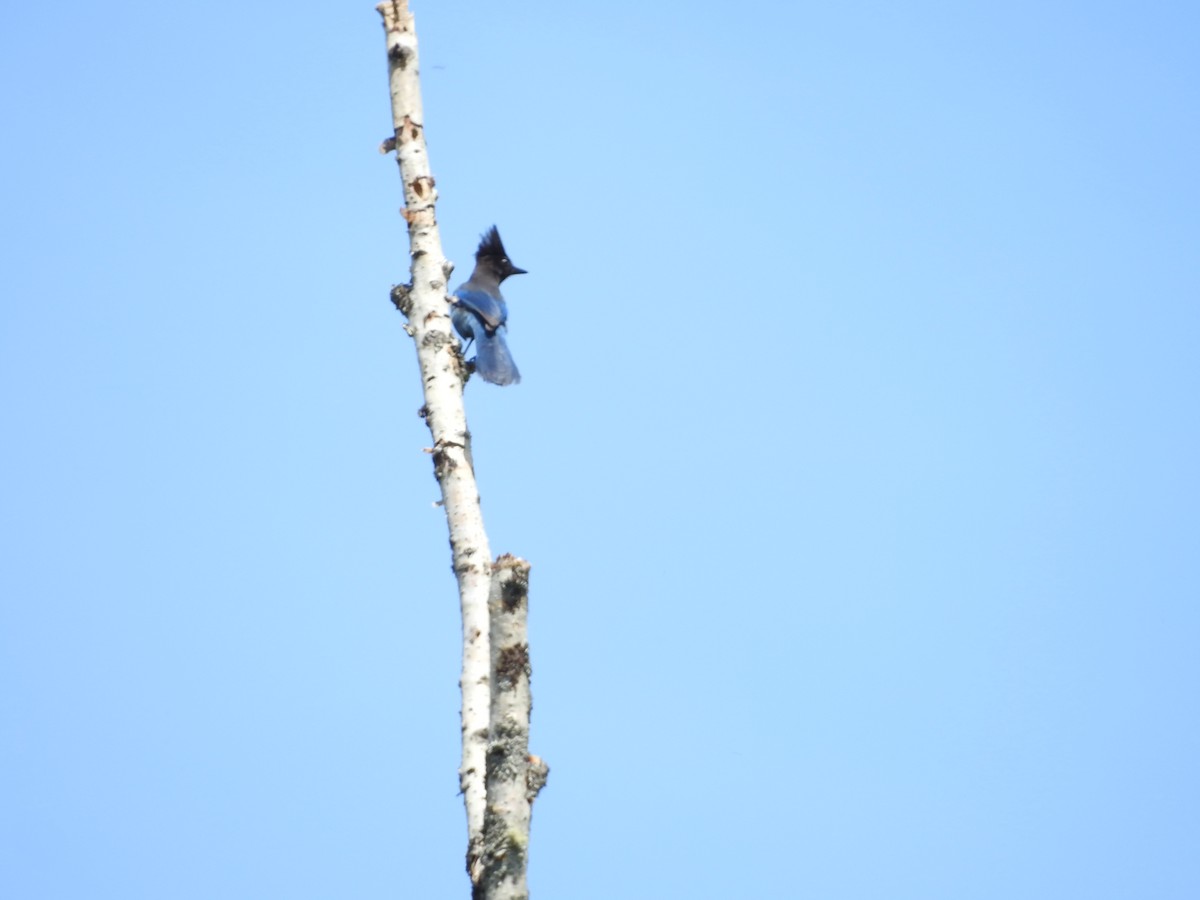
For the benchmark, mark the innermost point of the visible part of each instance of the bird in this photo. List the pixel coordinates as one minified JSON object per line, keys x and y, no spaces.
{"x":479,"y":312}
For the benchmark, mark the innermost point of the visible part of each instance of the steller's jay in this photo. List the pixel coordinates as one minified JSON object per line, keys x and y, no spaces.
{"x":479,"y":311}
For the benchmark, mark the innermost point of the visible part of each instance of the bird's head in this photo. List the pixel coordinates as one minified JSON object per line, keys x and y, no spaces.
{"x":491,"y":253}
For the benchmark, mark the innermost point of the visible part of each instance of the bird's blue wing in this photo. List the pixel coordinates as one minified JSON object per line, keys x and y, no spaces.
{"x":480,"y":316}
{"x":491,"y":312}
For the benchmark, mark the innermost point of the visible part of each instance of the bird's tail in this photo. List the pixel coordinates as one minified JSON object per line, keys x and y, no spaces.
{"x":493,"y":362}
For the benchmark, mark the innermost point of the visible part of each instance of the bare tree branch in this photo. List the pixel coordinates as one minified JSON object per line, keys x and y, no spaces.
{"x":425,"y":304}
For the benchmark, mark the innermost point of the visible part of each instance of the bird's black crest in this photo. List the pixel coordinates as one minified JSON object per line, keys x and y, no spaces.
{"x":490,"y":245}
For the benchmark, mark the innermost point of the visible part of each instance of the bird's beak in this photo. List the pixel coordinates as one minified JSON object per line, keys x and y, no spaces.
{"x":515,"y":271}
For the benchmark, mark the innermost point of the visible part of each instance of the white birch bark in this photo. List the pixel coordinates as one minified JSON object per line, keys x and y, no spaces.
{"x":425,"y":304}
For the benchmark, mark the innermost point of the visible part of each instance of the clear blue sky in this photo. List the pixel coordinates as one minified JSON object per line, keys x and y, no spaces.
{"x":856,"y":453}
